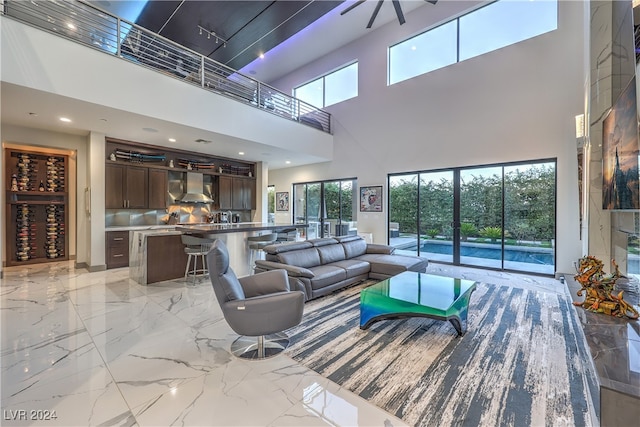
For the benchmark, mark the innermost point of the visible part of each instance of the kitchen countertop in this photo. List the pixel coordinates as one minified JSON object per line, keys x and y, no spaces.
{"x":139,"y":227}
{"x":234,"y":228}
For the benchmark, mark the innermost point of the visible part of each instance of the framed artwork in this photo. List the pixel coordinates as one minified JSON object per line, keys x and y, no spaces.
{"x":620,"y":183}
{"x":371,"y":199}
{"x":282,"y":201}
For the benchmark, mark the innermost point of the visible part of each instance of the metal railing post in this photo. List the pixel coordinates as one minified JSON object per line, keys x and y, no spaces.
{"x":202,"y":71}
{"x":118,"y":42}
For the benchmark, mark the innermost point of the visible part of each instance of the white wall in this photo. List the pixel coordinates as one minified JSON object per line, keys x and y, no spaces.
{"x":516,"y":103}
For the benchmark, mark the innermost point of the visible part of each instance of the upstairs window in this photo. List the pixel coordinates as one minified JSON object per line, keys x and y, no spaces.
{"x":331,"y":88}
{"x":491,"y":27}
{"x":423,"y":53}
{"x":504,"y":23}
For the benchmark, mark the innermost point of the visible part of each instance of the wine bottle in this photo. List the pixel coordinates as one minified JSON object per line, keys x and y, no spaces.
{"x":41,"y":186}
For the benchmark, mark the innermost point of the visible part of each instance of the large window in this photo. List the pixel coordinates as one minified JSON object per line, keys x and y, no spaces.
{"x":423,"y":53}
{"x":330,"y":89}
{"x":483,"y":30}
{"x":494,"y":26}
{"x":499,"y":216}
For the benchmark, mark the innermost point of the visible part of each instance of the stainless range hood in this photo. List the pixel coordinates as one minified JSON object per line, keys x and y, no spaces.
{"x":195,"y":189}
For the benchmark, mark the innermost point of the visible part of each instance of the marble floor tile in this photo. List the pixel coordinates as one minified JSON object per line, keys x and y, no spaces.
{"x":100,"y":349}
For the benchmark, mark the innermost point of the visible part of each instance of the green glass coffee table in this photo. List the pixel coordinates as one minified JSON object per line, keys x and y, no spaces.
{"x":412,"y":294}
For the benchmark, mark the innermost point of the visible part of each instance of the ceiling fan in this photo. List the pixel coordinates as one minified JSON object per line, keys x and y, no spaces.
{"x":396,"y":6}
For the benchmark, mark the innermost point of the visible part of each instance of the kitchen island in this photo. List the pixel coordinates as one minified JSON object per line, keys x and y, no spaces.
{"x":234,"y":237}
{"x":156,"y":255}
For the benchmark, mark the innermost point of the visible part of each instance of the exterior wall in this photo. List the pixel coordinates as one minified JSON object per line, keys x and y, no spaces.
{"x":516,"y":103}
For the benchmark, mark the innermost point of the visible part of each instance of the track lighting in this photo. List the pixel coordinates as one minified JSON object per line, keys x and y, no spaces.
{"x":212,"y":34}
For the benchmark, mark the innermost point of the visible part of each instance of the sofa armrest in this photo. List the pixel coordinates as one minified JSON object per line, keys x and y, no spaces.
{"x":292,"y":270}
{"x":374,"y":248}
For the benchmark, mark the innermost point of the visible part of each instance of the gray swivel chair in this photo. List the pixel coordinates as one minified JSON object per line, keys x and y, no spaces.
{"x":261,"y":305}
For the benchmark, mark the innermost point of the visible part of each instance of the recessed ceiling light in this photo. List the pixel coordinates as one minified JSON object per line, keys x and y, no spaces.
{"x":413,"y":48}
{"x":64,"y":119}
{"x":262,"y":56}
{"x":288,"y":162}
{"x":241,"y":153}
{"x":252,"y":72}
{"x":33,"y":114}
{"x":71,"y":26}
{"x":172,"y":140}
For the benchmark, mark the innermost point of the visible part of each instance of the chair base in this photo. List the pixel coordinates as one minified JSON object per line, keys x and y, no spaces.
{"x":258,"y":348}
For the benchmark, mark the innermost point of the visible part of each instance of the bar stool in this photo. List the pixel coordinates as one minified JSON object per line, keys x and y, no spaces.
{"x":287,"y":235}
{"x":257,"y":244}
{"x":196,"y":247}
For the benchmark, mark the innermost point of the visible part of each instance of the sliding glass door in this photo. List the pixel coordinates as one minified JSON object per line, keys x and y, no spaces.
{"x":327,"y":206}
{"x":499,"y":216}
{"x":529,"y":217}
{"x":481,"y":217}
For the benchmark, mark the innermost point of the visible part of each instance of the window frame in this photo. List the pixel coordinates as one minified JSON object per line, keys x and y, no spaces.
{"x":457,"y":54}
{"x":324,"y":88}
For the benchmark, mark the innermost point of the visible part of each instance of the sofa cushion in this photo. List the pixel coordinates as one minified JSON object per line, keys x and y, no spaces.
{"x":391,"y":265}
{"x":326,"y":275}
{"x":302,"y":258}
{"x":331,"y":253}
{"x":353,"y":267}
{"x":354,"y":247}
{"x":286,"y":247}
{"x":323,"y":241}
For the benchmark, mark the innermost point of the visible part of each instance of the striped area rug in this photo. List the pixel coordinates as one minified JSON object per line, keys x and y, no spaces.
{"x":522,"y":362}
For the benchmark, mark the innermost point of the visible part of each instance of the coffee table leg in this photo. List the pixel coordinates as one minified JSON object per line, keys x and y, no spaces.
{"x":460,"y":321}
{"x":458,"y":325}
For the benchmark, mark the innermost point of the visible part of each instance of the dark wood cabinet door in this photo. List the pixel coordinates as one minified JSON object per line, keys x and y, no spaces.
{"x":250,"y":194}
{"x":225,"y":189}
{"x":237,"y":195}
{"x":114,"y":186}
{"x":158,"y":188}
{"x":244,"y":194}
{"x":137,"y":187}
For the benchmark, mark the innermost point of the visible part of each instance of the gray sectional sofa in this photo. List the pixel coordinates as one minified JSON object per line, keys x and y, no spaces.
{"x":320,"y":266}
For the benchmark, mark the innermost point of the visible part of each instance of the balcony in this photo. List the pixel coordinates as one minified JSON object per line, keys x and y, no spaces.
{"x":111,"y":35}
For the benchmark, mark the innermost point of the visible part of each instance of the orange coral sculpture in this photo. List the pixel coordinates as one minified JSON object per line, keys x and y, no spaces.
{"x":599,"y":296}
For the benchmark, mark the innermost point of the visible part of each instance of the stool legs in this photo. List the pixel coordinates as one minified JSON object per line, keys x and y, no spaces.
{"x":192,"y":270}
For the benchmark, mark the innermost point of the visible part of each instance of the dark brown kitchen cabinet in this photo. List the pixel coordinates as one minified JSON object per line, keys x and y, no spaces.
{"x":243,"y":194}
{"x":225,"y":189}
{"x":235,"y":193}
{"x":126,"y":186}
{"x":117,"y":246}
{"x":158,"y":180}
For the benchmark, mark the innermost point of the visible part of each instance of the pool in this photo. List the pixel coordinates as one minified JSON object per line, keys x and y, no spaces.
{"x":523,"y":254}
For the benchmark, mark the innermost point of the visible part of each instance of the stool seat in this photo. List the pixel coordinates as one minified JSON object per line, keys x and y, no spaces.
{"x":196,"y":248}
{"x":257,"y":244}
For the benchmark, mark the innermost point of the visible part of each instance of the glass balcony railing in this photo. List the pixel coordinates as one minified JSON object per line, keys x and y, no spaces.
{"x":114,"y":36}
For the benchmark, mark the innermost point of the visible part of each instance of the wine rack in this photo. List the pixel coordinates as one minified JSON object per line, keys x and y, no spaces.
{"x":37,"y":207}
{"x":54,"y":246}
{"x":25,"y":238}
